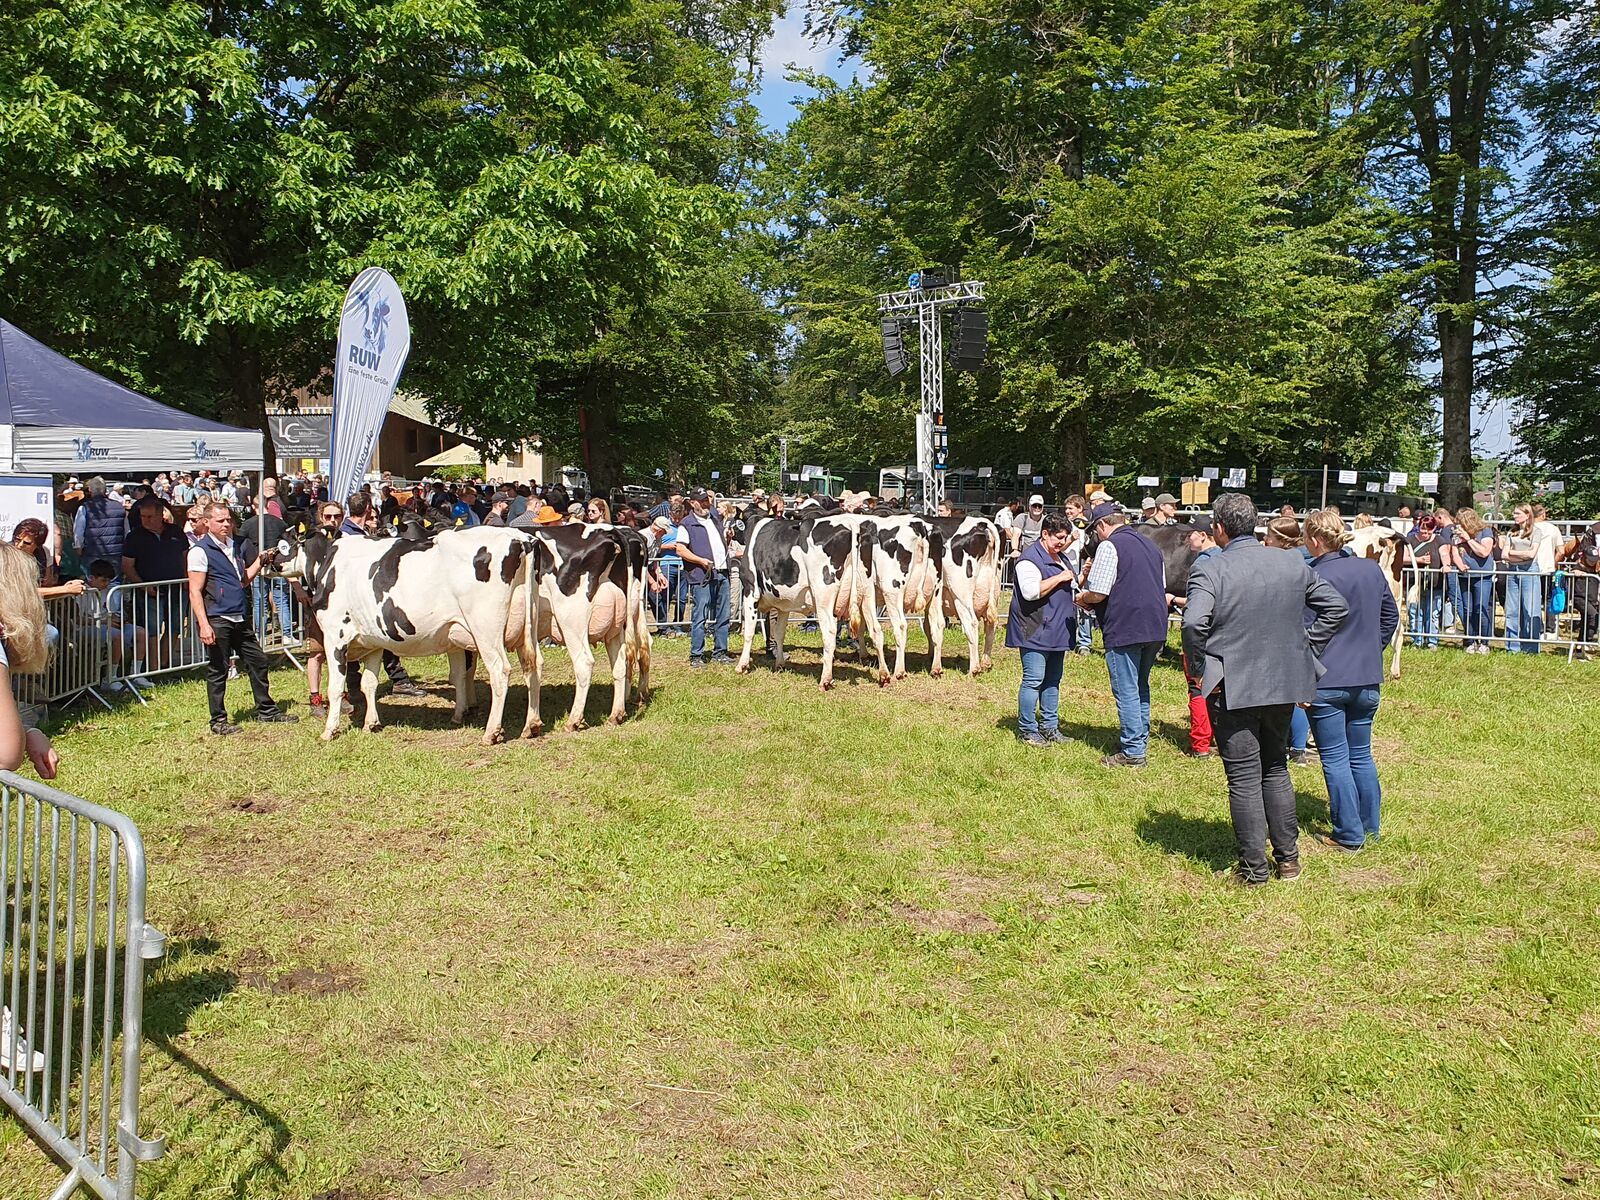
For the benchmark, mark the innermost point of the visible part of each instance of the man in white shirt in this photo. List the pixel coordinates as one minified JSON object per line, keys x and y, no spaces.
{"x":702,"y":544}
{"x":1547,"y":542}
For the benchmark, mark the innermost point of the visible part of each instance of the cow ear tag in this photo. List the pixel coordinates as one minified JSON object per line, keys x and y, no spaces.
{"x":302,"y":528}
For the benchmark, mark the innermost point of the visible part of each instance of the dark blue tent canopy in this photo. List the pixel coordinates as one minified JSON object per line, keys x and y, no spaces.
{"x":57,"y":415}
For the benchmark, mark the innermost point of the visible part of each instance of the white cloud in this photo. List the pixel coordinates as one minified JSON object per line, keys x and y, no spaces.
{"x":789,"y":46}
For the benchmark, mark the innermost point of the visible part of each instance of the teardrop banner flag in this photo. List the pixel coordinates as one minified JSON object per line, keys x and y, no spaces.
{"x":374,"y":339}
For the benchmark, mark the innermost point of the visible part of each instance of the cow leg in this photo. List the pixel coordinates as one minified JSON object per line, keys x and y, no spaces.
{"x":1398,"y":641}
{"x":990,"y":624}
{"x":337,"y":657}
{"x":617,"y":655}
{"x":829,"y":626}
{"x":900,"y":627}
{"x":461,"y":680}
{"x":369,"y":691}
{"x":532,"y":670}
{"x":776,"y":630}
{"x":498,"y":665}
{"x":970,"y":626}
{"x":747,"y":631}
{"x":642,"y":634}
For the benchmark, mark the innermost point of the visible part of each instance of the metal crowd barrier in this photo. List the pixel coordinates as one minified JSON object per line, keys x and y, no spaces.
{"x":73,"y":877}
{"x":1506,"y":608}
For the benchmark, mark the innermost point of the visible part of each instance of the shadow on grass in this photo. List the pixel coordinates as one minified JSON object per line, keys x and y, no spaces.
{"x":1207,"y":840}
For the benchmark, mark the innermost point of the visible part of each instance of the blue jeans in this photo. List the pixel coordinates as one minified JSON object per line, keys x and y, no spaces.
{"x":1424,"y":614}
{"x":670,"y":599}
{"x":1299,"y":730}
{"x":1523,"y":608}
{"x":710,"y":603}
{"x":1454,"y":597}
{"x":1040,"y":691}
{"x":1085,"y":631}
{"x":276,"y":593}
{"x":1343,"y":720}
{"x":1480,"y":606}
{"x":1129,"y":668}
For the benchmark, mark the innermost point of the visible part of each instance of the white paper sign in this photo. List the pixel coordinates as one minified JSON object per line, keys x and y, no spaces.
{"x":1347,"y":476}
{"x":748,"y":469}
{"x":1398,"y":479}
{"x":1236,"y":477}
{"x":1277,"y":481}
{"x":1555,"y":485}
{"x":1038,"y":481}
{"x":1210,"y":473}
{"x":810,"y":472}
{"x":716,"y":474}
{"x":659,"y":472}
{"x":793,"y":478}
{"x":1391,"y":488}
{"x":1428,"y":481}
{"x":1106,"y":471}
{"x":1372,"y":487}
{"x":1149,"y":481}
{"x":985,"y":472}
{"x":1024,"y":469}
{"x":24,"y":496}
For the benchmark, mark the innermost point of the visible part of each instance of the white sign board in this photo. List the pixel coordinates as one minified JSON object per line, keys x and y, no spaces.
{"x":1398,"y":479}
{"x":748,"y":469}
{"x":1149,"y":481}
{"x":1277,"y":481}
{"x":1347,"y":476}
{"x":1038,"y":481}
{"x":1236,"y":477}
{"x":716,"y":474}
{"x":1024,"y":469}
{"x":1555,"y":485}
{"x":810,"y":472}
{"x":1106,"y":471}
{"x":1372,"y":487}
{"x":659,"y":472}
{"x":1210,"y":473}
{"x":24,"y":496}
{"x":985,"y":472}
{"x":1428,"y":481}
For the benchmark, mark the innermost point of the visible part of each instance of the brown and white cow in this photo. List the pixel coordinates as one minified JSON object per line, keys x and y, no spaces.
{"x":1388,"y":549}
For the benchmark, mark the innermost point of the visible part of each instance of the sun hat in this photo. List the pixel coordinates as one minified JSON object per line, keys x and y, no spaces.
{"x":1035,"y":499}
{"x":1147,"y":503}
{"x":547,"y":516}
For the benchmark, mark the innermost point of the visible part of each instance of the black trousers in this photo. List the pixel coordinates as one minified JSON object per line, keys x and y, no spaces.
{"x":392,"y":667}
{"x":236,"y":637}
{"x":1583,"y":594}
{"x":1254,"y":745}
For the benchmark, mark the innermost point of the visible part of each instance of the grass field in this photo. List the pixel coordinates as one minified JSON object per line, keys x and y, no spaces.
{"x":761,"y":942}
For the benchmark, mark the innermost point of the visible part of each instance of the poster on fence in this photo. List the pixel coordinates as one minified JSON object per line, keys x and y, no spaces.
{"x":24,"y":496}
{"x":1347,"y":476}
{"x":1398,"y":479}
{"x":1149,"y":481}
{"x":1236,"y":477}
{"x":1428,"y":481}
{"x":1106,"y":471}
{"x":1277,"y":481}
{"x":985,"y":472}
{"x":1024,"y":469}
{"x":1372,"y":487}
{"x":1210,"y":473}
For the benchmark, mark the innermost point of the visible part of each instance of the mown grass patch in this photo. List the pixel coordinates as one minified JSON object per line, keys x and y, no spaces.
{"x":763,"y":942}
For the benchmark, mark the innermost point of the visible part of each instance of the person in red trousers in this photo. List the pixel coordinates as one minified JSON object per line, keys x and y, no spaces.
{"x":1200,"y":541}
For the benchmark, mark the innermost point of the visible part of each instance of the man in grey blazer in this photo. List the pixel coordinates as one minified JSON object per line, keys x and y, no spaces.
{"x":1246,"y":639}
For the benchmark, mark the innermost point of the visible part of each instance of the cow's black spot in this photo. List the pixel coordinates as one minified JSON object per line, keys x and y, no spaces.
{"x":585,"y":558}
{"x":889,"y":541}
{"x":480,"y":564}
{"x":835,"y":543}
{"x":511,"y":563}
{"x":385,"y":572}
{"x":771,"y":553}
{"x":394,"y":622}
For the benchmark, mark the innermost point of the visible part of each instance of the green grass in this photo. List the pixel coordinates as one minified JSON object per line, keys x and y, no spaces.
{"x":763,"y":942}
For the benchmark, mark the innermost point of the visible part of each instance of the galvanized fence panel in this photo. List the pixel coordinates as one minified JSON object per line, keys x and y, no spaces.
{"x":77,"y":663}
{"x":1503,"y":608}
{"x":72,"y":963}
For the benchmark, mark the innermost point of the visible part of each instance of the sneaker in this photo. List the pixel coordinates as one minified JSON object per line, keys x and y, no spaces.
{"x":697,"y":664}
{"x":1299,"y":758}
{"x":1327,"y":839}
{"x":289,"y":639}
{"x":1033,"y":739}
{"x":319,"y":707}
{"x":223,"y":728}
{"x":1235,"y":877}
{"x":722,"y":659}
{"x":1119,"y":759}
{"x":116,"y":687}
{"x":1191,"y":752}
{"x":277,"y":718}
{"x":139,"y":681}
{"x":1289,"y":871}
{"x":407,"y":687}
{"x":1056,"y":737}
{"x":27,"y":1058}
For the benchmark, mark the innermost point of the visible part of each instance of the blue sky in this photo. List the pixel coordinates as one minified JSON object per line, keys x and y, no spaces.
{"x":788,"y":46}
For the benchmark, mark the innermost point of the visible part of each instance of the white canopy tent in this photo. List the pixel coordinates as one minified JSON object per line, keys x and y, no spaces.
{"x":57,"y":416}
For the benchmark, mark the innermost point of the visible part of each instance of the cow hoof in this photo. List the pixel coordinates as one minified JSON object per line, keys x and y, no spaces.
{"x":825,"y":684}
{"x":937,"y":672}
{"x":883,"y":679}
{"x":533,"y":731}
{"x":375,"y":727}
{"x":614,"y":719}
{"x":743,"y":668}
{"x":328,"y":737}
{"x":494,"y":737}
{"x":574,"y":726}
{"x":899,"y":676}
{"x":458,"y":720}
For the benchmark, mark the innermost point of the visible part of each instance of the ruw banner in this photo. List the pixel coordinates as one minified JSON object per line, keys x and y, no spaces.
{"x":374,"y":339}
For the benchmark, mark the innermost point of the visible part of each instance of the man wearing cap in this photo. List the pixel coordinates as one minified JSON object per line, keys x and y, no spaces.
{"x":704,"y":549}
{"x":1147,"y":511}
{"x":1167,"y":509}
{"x":1025,"y":530}
{"x":1127,"y":590}
{"x":100,"y":526}
{"x":1246,"y":634}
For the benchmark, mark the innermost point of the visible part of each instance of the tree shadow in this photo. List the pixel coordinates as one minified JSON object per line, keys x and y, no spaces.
{"x":1207,"y":840}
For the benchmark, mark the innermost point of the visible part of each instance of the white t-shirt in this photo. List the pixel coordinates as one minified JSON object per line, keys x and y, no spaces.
{"x":1004,"y":517}
{"x":1030,"y":578}
{"x":1546,"y":545}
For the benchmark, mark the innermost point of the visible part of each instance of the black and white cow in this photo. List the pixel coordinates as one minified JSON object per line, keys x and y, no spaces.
{"x":811,"y":565}
{"x":967,"y":550}
{"x":590,"y":581}
{"x":463,"y":590}
{"x":905,"y":582}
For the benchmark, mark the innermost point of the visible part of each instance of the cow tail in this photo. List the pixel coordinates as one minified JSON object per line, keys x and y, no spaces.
{"x":858,"y":577}
{"x":530,"y":582}
{"x":987,"y":586}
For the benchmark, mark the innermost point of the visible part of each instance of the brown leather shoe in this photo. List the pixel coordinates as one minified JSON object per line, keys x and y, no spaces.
{"x":1289,"y":870}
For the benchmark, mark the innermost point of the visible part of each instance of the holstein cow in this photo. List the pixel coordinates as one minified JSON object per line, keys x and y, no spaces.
{"x":904,"y":565}
{"x":467,"y":589}
{"x":1388,"y":549}
{"x":967,"y":550}
{"x":798,"y":566}
{"x":591,"y":590}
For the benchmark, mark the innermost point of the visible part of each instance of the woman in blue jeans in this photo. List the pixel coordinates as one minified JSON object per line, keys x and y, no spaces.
{"x":1524,"y":600}
{"x":1347,"y":694}
{"x":1043,"y":626}
{"x":1475,"y":545}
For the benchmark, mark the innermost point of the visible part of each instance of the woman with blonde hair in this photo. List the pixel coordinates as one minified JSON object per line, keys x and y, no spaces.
{"x":24,"y":648}
{"x":1363,"y":520}
{"x":597,"y":511}
{"x":1475,"y":543}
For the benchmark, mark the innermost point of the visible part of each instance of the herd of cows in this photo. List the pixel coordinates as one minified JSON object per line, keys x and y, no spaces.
{"x":495,"y":592}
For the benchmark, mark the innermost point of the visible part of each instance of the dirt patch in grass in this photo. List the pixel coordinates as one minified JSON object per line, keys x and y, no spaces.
{"x":475,"y":1173}
{"x":263,"y":805}
{"x":944,"y":920}
{"x":1366,"y":879}
{"x":257,"y":970}
{"x":686,"y":959}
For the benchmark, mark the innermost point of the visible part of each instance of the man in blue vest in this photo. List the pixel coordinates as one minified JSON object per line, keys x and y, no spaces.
{"x":703,"y":546}
{"x":220,"y":571}
{"x":1127,"y":590}
{"x":101,"y":525}
{"x":1043,"y":626}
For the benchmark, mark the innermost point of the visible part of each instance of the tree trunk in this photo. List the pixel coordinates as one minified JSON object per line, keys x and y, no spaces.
{"x":1072,"y":455}
{"x":1455,"y":384}
{"x":247,"y":402}
{"x":602,"y":457}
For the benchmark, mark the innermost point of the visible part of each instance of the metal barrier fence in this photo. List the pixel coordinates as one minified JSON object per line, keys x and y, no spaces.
{"x":77,"y":663}
{"x":1509,"y":607}
{"x":73,"y":877}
